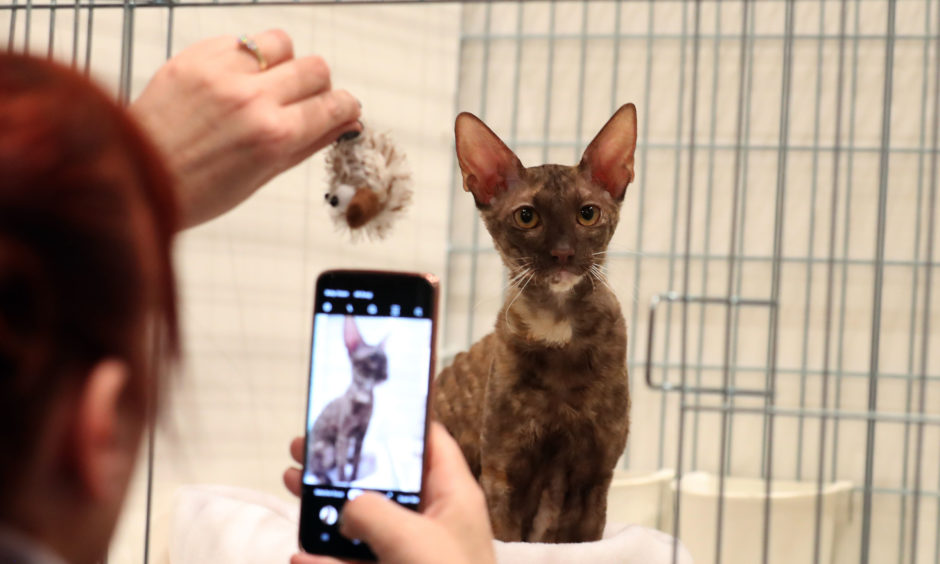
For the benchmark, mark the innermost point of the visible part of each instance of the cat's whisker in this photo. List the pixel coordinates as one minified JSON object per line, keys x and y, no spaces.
{"x":528,"y":279}
{"x":602,"y":275}
{"x":603,"y":268}
{"x":519,"y":293}
{"x":523,"y":270}
{"x":600,"y":256}
{"x":521,"y":262}
{"x":507,"y":285}
{"x":521,"y":278}
{"x":599,"y":273}
{"x":518,"y":277}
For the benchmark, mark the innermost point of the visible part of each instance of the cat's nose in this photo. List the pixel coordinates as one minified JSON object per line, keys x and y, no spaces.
{"x":562,"y":254}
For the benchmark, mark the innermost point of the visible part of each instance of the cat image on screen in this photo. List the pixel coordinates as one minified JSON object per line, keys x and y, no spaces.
{"x":540,"y":406}
{"x":337,"y":434}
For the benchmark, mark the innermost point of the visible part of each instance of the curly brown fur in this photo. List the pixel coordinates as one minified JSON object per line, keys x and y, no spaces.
{"x":540,"y":406}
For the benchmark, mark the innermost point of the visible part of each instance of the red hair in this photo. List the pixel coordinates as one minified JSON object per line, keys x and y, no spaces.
{"x":87,"y":219}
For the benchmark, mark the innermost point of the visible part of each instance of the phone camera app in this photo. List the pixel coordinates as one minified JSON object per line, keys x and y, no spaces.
{"x":366,"y":422}
{"x":329,"y":515}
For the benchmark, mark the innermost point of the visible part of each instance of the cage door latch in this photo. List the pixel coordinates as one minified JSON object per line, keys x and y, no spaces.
{"x":730,"y":301}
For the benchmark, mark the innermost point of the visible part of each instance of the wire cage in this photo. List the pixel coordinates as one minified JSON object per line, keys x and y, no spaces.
{"x":781,"y":236}
{"x":775,"y":259}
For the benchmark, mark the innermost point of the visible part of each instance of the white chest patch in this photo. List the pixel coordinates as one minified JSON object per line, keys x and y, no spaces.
{"x":544,"y":327}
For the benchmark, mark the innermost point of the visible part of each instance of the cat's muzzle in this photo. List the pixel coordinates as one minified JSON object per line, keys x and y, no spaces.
{"x":563,"y":280}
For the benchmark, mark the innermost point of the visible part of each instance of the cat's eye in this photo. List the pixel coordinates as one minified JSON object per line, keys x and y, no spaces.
{"x":526,"y":217}
{"x":588,"y":215}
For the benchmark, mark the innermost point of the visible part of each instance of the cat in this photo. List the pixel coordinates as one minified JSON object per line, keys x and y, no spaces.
{"x":337,"y":434}
{"x":540,"y":406}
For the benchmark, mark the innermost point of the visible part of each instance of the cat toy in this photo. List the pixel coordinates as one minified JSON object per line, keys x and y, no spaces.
{"x":369,"y":183}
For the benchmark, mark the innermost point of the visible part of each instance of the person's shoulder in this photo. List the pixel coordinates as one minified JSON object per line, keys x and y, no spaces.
{"x":16,"y":548}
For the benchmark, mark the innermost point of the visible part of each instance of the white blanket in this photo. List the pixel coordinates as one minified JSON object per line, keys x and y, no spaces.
{"x":240,"y":526}
{"x":623,"y":544}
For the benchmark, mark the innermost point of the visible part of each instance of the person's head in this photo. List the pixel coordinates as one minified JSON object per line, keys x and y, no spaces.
{"x":87,"y":302}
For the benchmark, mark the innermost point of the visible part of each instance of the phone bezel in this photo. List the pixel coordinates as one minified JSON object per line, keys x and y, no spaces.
{"x":310,"y":527}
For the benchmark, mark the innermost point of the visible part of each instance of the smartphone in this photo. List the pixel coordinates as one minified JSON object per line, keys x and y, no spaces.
{"x":371,"y":364}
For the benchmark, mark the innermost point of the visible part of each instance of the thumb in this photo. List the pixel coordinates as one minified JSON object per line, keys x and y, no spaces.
{"x":369,"y":516}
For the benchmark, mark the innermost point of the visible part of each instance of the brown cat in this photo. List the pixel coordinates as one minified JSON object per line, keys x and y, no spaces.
{"x":337,"y":434}
{"x":540,"y":406}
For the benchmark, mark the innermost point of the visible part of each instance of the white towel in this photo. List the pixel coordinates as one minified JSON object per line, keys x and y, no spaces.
{"x":241,"y":526}
{"x":622,"y":544}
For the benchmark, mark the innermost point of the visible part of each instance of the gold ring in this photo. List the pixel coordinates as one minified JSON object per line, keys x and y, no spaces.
{"x":252,"y":47}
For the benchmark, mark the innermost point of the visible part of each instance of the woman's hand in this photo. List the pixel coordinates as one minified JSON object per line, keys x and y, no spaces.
{"x":226,"y":126}
{"x":453,"y":527}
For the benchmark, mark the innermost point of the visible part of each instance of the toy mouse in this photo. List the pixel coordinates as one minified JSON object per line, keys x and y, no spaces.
{"x":369,"y":183}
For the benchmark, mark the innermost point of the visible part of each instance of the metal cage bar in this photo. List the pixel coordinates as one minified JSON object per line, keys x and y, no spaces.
{"x":840,"y":40}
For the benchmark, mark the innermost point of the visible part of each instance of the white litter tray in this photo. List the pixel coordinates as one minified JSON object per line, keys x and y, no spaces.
{"x":640,"y":498}
{"x":792,"y":519}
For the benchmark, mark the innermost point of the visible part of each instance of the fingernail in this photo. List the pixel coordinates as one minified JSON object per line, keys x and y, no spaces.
{"x":359,"y":102}
{"x":348,"y":136}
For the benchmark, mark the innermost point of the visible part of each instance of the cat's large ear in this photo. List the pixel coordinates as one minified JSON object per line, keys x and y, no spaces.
{"x":609,"y":158}
{"x":351,"y":334}
{"x":487,"y":164}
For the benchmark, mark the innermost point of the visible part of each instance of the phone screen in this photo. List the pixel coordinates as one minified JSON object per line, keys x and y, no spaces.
{"x":371,"y":364}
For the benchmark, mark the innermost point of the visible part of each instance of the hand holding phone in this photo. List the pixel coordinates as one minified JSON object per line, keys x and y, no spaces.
{"x":371,"y":364}
{"x":453,"y":526}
